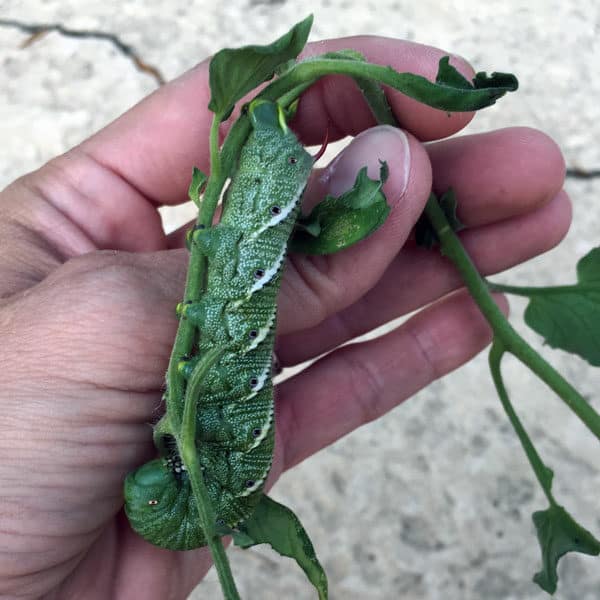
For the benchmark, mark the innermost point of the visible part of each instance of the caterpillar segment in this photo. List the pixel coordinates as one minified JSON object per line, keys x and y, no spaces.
{"x":235,"y":420}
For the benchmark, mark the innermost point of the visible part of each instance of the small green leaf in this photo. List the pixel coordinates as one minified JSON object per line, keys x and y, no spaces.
{"x":337,"y":223}
{"x":196,"y":186}
{"x":558,"y":533}
{"x":274,"y":524}
{"x":235,"y":72}
{"x":569,"y":316}
{"x":425,"y":234}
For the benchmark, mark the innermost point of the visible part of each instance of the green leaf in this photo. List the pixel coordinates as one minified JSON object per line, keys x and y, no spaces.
{"x":337,"y":223}
{"x":274,"y":524}
{"x":558,"y":533}
{"x":448,"y":76}
{"x":197,"y":184}
{"x":235,"y":72}
{"x":425,"y":234}
{"x":569,"y":316}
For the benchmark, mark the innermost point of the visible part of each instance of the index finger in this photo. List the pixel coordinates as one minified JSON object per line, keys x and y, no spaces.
{"x":154,"y":145}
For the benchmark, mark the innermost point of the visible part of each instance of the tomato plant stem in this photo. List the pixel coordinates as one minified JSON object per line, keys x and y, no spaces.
{"x":503,"y":331}
{"x":189,"y":455}
{"x":542,"y":472}
{"x":183,"y":418}
{"x":529,"y":291}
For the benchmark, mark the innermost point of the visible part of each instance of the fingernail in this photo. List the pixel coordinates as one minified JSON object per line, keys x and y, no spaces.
{"x":382,"y":143}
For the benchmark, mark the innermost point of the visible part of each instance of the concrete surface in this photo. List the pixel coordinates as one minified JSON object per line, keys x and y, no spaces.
{"x":434,"y":500}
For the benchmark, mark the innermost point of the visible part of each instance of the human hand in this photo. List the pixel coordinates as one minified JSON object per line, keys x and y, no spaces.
{"x":89,"y":282}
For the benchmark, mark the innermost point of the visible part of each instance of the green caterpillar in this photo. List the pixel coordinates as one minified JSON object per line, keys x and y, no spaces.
{"x":235,"y":424}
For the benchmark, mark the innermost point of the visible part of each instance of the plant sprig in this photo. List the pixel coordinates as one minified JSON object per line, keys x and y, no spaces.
{"x":234,"y":74}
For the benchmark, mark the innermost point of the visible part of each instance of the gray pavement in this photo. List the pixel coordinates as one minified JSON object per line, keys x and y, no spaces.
{"x":434,"y":500}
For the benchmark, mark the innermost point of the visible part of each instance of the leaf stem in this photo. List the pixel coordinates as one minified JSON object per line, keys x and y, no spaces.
{"x":375,"y":97}
{"x":189,"y":455}
{"x":529,"y":291}
{"x":182,"y":419}
{"x":194,"y":286}
{"x":286,"y":99}
{"x":542,"y":472}
{"x":503,"y":331}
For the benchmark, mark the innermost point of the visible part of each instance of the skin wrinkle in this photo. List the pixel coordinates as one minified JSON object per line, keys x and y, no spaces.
{"x":127,"y":200}
{"x":434,"y":372}
{"x":66,"y":245}
{"x":286,"y":428}
{"x":26,"y":233}
{"x":310,"y":274}
{"x":108,"y":227}
{"x":32,"y":589}
{"x":117,"y":225}
{"x":23,"y":269}
{"x":364,"y":374}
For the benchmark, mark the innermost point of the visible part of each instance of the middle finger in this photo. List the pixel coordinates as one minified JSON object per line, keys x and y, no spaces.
{"x":534,"y":216}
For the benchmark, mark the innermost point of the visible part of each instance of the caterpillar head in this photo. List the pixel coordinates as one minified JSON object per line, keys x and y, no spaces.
{"x":157,"y":503}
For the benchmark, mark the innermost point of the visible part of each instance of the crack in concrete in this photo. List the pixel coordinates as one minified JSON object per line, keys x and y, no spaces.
{"x":37,"y":31}
{"x":578,"y":173}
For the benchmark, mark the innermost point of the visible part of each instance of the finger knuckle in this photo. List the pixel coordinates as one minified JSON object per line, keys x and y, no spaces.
{"x":366,"y":384}
{"x":316,"y":285}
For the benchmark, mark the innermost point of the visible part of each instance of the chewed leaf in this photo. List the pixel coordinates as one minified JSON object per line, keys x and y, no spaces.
{"x":274,"y":524}
{"x":338,"y":222}
{"x":425,"y":234}
{"x":569,"y":316}
{"x":197,"y":184}
{"x":483,"y":81}
{"x":558,"y":533}
{"x":449,"y":76}
{"x":235,"y":72}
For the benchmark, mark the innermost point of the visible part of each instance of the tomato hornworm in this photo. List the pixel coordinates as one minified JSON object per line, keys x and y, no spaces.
{"x":235,"y":429}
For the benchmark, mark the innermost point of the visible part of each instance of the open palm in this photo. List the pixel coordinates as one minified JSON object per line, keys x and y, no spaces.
{"x":89,"y":282}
